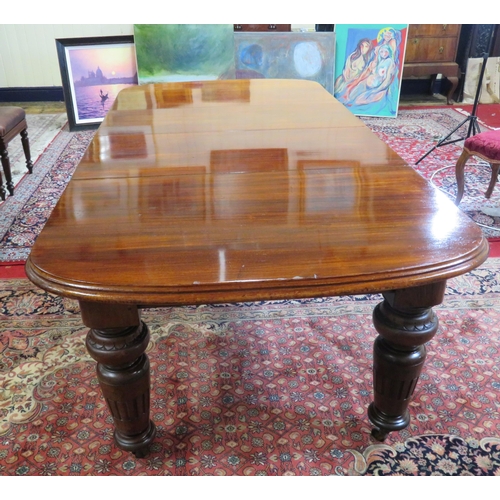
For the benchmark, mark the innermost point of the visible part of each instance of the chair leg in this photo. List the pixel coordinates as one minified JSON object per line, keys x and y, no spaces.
{"x":2,"y":189}
{"x":494,"y":175}
{"x":459,"y":173}
{"x":6,"y":168}
{"x":26,"y":146}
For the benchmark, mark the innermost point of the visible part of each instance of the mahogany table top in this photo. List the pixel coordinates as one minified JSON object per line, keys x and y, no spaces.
{"x":242,"y":190}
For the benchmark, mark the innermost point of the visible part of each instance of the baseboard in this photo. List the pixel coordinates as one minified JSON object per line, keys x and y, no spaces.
{"x":31,"y":94}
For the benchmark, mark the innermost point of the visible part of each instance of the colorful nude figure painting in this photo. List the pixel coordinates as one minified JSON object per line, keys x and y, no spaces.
{"x":369,"y":67}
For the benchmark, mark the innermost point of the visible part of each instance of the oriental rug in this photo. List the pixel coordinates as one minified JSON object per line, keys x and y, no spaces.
{"x":42,"y":129}
{"x":269,"y":388}
{"x":23,"y":215}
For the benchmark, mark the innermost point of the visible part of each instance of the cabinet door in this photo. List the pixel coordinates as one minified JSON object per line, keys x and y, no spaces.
{"x":431,"y":50}
{"x":262,"y":27}
{"x":417,"y":30}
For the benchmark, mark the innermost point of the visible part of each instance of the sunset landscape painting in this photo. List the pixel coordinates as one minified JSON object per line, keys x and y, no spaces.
{"x":95,"y":73}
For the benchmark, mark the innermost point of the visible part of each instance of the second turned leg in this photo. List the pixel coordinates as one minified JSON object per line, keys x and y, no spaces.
{"x":405,"y":322}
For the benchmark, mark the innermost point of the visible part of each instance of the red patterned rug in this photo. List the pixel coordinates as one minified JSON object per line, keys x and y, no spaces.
{"x":271,"y":388}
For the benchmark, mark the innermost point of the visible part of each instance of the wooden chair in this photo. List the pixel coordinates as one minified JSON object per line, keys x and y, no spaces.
{"x":12,"y":122}
{"x":485,"y":145}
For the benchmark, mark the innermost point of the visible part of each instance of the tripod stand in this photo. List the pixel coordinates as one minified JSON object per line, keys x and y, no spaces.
{"x":471,"y":119}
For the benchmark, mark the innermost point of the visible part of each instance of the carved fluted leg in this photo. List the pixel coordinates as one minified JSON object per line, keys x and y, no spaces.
{"x":405,"y":322}
{"x":123,"y":371}
{"x":26,"y":147}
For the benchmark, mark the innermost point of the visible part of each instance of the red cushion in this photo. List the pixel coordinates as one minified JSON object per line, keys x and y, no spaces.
{"x":487,"y":144}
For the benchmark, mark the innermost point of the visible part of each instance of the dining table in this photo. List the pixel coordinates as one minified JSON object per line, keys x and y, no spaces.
{"x":244,"y":190}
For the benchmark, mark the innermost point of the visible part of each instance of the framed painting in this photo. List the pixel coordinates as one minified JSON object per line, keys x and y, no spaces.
{"x":184,"y":52}
{"x":93,"y":71}
{"x":308,"y":56}
{"x":369,"y":67}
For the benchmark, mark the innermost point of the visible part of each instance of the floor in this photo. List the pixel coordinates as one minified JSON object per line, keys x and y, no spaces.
{"x":422,"y":100}
{"x":59,"y":107}
{"x":35,"y":108}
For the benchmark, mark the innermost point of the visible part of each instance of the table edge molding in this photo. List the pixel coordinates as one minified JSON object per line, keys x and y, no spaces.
{"x":249,"y":291}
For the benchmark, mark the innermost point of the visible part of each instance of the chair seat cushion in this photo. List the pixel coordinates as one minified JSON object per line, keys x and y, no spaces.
{"x":10,"y":116}
{"x":486,"y":144}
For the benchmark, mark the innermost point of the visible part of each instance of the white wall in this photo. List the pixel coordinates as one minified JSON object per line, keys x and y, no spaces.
{"x":28,"y":55}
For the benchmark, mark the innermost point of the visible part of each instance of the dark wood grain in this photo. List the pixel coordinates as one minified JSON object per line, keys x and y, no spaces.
{"x":262,"y":27}
{"x":246,"y":190}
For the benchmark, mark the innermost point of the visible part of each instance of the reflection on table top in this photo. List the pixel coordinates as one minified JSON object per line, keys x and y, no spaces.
{"x":240,"y":190}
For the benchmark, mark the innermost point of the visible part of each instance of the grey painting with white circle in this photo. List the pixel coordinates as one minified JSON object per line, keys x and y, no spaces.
{"x":307,"y":56}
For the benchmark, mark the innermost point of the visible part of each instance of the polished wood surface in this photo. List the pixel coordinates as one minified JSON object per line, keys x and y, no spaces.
{"x":342,"y":214}
{"x":244,"y":190}
{"x":432,"y":43}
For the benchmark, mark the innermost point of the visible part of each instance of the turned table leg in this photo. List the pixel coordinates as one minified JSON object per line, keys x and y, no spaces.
{"x":405,"y":322}
{"x":117,"y":340}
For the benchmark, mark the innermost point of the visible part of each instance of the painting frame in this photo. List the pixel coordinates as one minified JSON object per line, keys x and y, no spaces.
{"x":66,"y":47}
{"x":369,"y":67}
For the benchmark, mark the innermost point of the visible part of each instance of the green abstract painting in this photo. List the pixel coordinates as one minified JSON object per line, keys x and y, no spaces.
{"x":184,"y":52}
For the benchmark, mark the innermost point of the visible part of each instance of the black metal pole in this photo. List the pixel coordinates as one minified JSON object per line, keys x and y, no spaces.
{"x":472,"y":118}
{"x":478,"y":94}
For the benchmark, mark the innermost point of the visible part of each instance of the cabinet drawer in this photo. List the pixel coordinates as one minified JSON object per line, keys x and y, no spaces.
{"x":431,"y":49}
{"x":439,"y":30}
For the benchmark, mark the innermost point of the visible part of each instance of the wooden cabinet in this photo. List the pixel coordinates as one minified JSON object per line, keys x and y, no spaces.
{"x":432,"y":49}
{"x":262,"y":27}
